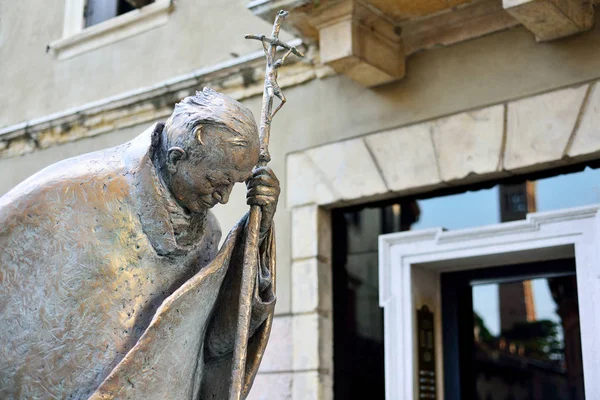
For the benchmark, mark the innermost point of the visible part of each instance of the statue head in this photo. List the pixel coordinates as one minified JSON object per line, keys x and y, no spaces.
{"x":209,"y":143}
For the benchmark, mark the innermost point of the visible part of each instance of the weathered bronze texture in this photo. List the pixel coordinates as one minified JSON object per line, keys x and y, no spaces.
{"x":239,"y":386}
{"x":112,"y":285}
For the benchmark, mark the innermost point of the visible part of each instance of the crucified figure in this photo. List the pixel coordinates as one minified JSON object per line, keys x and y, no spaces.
{"x":272,"y":89}
{"x":271,"y":85}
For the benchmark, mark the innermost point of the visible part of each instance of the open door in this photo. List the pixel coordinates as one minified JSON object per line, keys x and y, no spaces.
{"x":437,"y":345}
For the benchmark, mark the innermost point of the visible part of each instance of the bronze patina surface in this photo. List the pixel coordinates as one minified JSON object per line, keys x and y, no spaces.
{"x":112,"y":285}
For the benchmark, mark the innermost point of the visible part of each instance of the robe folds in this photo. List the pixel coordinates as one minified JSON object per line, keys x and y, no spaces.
{"x":108,"y":290}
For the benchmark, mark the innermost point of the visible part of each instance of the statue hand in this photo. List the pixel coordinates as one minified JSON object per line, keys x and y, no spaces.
{"x":263,"y":190}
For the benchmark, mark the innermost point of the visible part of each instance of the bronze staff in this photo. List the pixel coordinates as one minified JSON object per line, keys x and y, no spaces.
{"x":271,"y":89}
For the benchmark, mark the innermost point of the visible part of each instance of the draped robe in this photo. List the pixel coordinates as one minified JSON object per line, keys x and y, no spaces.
{"x":108,"y":289}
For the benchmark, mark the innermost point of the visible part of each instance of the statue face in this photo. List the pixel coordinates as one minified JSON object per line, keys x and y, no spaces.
{"x":200,"y":182}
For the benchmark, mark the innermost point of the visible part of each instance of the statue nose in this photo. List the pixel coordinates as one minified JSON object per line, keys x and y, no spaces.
{"x":222,"y":196}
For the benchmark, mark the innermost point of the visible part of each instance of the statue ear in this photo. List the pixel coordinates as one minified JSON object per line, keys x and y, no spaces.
{"x":198,"y":132}
{"x":174,"y":155}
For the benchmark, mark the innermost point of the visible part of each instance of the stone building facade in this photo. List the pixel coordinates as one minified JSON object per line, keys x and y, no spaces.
{"x":393,"y":99}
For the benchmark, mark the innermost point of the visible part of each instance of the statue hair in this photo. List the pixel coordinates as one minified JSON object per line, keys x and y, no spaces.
{"x":184,"y":128}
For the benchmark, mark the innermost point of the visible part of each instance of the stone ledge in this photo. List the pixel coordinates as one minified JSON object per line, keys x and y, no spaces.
{"x":587,"y":140}
{"x":406,"y":156}
{"x":539,"y":128}
{"x":469,"y":143}
{"x":349,"y":168}
{"x":310,"y":184}
{"x":240,"y":78}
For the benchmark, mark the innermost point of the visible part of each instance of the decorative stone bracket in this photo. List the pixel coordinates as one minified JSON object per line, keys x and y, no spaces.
{"x":354,"y":38}
{"x":359,"y":43}
{"x":552,"y":19}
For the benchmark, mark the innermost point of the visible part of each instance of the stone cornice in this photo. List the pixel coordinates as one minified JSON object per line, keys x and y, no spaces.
{"x":240,"y":78}
{"x":369,"y":40}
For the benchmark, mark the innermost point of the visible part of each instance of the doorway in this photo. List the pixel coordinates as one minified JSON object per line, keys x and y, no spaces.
{"x":443,"y":272}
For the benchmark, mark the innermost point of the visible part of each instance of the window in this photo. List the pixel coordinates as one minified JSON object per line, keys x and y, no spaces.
{"x":97,"y":11}
{"x":90,"y":24}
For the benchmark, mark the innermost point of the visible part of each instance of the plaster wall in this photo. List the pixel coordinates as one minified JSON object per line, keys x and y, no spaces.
{"x":34,"y":83}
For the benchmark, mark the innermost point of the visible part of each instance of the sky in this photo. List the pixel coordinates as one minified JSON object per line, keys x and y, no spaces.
{"x":486,"y":304}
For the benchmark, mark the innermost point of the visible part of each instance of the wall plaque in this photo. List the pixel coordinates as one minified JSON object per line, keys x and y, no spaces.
{"x":426,"y":354}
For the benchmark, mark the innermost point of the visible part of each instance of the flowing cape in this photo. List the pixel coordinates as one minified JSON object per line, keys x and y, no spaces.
{"x":99,"y":298}
{"x":166,"y":362}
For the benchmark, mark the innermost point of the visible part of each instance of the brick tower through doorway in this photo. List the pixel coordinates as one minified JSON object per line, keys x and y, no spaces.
{"x":516,"y":299}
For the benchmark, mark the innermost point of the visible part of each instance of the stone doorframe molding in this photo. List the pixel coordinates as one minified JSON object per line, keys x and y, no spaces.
{"x":410,"y":264}
{"x":473,"y":146}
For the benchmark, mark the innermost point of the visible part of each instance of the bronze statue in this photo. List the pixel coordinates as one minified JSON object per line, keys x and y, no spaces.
{"x":112,"y":285}
{"x":92,"y":246}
